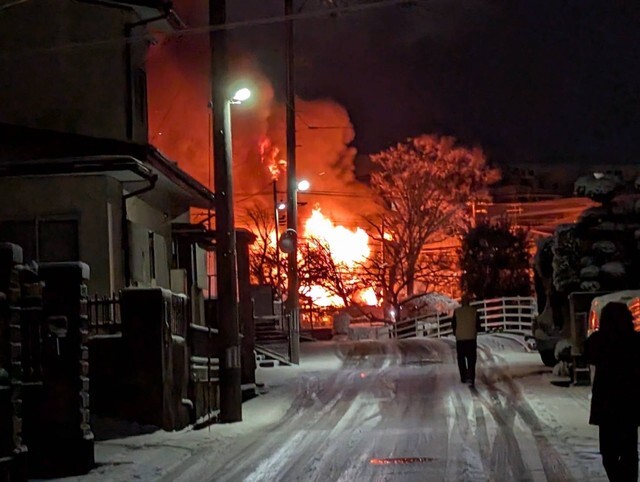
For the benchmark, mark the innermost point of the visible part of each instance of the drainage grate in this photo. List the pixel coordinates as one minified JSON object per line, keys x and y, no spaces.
{"x":401,"y":460}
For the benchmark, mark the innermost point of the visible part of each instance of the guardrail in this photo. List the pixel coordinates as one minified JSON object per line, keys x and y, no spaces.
{"x":508,"y":315}
{"x":432,"y":326}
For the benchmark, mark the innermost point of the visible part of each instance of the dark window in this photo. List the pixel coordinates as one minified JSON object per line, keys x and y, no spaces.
{"x":140,"y":93}
{"x":58,"y":240}
{"x":152,"y":256}
{"x":43,"y":239}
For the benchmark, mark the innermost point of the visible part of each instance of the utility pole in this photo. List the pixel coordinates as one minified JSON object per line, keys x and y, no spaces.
{"x":276,"y":219}
{"x":292,"y":197}
{"x":226,"y":271}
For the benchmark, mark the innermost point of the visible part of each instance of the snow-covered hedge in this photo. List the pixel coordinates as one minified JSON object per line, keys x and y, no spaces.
{"x":599,"y":187}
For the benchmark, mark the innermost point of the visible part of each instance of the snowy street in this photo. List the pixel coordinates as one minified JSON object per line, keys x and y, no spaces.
{"x":388,"y":410}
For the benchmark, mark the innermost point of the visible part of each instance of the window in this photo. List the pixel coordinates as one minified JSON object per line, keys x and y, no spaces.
{"x":42,"y":240}
{"x":140,"y":93}
{"x":152,"y":255}
{"x":58,"y":240}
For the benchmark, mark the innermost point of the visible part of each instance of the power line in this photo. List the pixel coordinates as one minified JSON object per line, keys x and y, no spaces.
{"x":337,"y":194}
{"x":213,"y":28}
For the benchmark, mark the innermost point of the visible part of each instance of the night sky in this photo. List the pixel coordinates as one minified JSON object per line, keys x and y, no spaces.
{"x":544,"y":81}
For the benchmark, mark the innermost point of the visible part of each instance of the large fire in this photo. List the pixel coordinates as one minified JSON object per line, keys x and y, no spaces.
{"x":269,"y":155}
{"x":347,"y":248}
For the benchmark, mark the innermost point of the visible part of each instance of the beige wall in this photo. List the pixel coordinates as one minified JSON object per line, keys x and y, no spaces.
{"x":96,"y":204}
{"x":28,"y":198}
{"x":143,"y":219}
{"x":49,"y":83}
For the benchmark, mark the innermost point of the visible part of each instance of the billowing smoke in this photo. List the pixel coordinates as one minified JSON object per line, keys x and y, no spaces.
{"x":180,"y":126}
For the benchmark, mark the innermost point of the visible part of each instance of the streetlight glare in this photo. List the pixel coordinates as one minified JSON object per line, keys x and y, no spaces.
{"x":282,"y":206}
{"x":241,"y":95}
{"x":304,"y":185}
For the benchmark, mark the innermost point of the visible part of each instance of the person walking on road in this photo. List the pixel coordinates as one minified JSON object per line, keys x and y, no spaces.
{"x":466,"y":324}
{"x":615,"y":401}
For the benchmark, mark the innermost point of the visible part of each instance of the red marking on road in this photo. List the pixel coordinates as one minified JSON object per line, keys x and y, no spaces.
{"x":401,"y":460}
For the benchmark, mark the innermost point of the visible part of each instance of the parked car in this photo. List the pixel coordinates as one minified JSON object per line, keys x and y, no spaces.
{"x":630,"y":297}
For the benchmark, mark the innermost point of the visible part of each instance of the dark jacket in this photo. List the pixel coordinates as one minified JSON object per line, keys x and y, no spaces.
{"x":616,"y":386}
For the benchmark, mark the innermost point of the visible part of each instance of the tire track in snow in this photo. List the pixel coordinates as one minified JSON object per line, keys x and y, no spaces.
{"x":391,"y":400}
{"x":470,"y":464}
{"x":322,"y":412}
{"x":504,"y":455}
{"x":554,"y":467}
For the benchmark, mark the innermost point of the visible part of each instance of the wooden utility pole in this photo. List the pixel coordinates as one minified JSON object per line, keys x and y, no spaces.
{"x":293,"y":309}
{"x":276,"y":219}
{"x":226,"y":271}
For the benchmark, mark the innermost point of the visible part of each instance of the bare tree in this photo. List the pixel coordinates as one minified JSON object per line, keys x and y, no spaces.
{"x":264,"y":264}
{"x":424,"y":187}
{"x":316,"y":264}
{"x":320,"y":268}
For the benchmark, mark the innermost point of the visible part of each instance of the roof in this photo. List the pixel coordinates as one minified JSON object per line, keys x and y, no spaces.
{"x":19,"y":143}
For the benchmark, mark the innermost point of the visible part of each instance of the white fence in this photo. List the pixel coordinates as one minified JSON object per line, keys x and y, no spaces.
{"x":507,"y":315}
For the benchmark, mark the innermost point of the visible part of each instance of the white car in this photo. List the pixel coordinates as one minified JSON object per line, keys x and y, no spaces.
{"x":630,"y":297}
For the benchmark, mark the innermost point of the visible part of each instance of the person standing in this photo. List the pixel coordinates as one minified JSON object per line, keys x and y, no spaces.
{"x":615,"y":400}
{"x":466,"y":324}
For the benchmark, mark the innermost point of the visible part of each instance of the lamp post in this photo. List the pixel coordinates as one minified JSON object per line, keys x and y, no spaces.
{"x":226,"y":270}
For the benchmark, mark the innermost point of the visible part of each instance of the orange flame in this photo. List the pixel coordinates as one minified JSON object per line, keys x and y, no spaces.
{"x":348,"y":248}
{"x":269,"y":157}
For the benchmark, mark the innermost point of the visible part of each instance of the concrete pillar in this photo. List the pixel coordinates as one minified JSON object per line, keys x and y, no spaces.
{"x":60,"y":437}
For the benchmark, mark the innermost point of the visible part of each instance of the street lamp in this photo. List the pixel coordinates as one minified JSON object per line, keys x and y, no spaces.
{"x":241,"y":95}
{"x":303,"y":185}
{"x":226,"y":252}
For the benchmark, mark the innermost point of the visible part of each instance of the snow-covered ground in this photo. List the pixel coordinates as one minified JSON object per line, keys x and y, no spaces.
{"x":382,"y":410}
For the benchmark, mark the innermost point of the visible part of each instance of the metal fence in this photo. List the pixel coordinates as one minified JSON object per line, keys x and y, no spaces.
{"x":507,"y":315}
{"x":104,"y":315}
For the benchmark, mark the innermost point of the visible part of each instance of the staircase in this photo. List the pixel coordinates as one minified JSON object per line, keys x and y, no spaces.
{"x":271,"y":328}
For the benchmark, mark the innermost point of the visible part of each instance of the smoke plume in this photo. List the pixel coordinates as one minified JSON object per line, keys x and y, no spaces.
{"x":180,"y":121}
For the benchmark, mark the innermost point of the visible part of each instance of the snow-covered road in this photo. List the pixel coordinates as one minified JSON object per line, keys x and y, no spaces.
{"x":383,"y":410}
{"x":397,"y":411}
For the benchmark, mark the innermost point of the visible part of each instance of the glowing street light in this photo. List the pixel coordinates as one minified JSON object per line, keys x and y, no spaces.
{"x":282,"y":206}
{"x":241,"y":95}
{"x":304,"y":185}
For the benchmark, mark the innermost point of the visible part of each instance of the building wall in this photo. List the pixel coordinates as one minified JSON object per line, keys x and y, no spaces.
{"x":143,"y":221}
{"x":65,"y":69}
{"x":99,"y":232}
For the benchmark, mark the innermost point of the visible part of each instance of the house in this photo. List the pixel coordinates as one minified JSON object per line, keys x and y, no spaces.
{"x":79,"y":177}
{"x":111,"y":203}
{"x":80,"y":181}
{"x":78,"y":66}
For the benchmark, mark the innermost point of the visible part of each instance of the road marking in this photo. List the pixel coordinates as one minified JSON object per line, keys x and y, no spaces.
{"x":401,"y":460}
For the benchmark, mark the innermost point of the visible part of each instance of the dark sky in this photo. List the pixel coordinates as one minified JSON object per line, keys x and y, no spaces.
{"x":540,"y":80}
